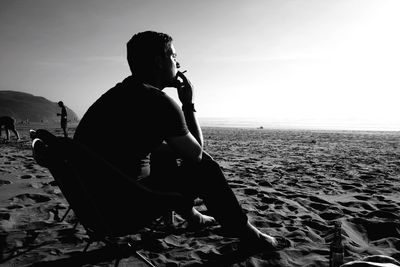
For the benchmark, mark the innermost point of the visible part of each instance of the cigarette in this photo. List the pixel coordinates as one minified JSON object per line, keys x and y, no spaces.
{"x":184,"y":71}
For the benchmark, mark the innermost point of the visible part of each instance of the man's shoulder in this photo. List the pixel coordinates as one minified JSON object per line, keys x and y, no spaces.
{"x":6,"y":119}
{"x":130,"y":85}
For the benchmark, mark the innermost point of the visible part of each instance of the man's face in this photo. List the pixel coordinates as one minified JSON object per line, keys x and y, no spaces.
{"x":170,"y":65}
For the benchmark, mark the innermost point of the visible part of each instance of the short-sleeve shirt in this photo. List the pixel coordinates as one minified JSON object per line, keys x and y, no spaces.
{"x":63,"y":114}
{"x":7,"y":121}
{"x":128,"y":122}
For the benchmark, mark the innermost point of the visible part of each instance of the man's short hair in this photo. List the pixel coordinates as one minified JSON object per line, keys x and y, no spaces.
{"x":143,"y":47}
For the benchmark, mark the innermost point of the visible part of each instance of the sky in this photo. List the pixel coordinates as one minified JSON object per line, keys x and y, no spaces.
{"x":295,"y":63}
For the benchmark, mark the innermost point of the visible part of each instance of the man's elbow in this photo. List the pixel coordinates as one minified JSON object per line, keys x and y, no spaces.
{"x":199,"y":156}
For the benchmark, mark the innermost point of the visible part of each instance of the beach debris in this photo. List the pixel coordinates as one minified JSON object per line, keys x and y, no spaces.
{"x":336,"y":248}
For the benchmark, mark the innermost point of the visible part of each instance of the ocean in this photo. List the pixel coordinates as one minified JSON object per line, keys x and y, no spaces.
{"x":290,"y":125}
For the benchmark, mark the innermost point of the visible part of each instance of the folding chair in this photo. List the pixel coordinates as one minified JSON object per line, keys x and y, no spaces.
{"x":78,"y":173}
{"x":37,"y":155}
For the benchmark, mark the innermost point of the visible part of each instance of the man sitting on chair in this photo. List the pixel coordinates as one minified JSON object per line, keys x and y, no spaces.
{"x":157,"y":132}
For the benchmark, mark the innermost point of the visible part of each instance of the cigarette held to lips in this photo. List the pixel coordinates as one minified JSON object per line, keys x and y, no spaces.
{"x":184,"y":71}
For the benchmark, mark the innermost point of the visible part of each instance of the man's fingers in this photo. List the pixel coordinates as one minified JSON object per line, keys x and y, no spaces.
{"x":182,"y":76}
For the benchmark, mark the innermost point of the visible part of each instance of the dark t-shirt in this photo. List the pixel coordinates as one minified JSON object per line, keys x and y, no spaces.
{"x":128,"y":122}
{"x":8,"y":122}
{"x":63,"y":116}
{"x":63,"y":113}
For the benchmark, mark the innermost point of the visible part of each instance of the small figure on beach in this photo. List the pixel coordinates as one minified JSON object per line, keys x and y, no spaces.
{"x":9,"y":124}
{"x":63,"y":115}
{"x":163,"y":145}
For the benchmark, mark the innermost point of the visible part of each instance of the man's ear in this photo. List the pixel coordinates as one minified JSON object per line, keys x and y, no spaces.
{"x":158,"y":62}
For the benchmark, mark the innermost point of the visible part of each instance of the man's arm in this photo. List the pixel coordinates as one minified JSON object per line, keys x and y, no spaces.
{"x":191,"y":145}
{"x":192,"y":123}
{"x":186,"y":146}
{"x":64,"y":112}
{"x":185,"y":94}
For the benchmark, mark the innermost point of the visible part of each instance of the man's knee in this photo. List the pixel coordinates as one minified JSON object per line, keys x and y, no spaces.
{"x":208,"y":171}
{"x":210,"y":164}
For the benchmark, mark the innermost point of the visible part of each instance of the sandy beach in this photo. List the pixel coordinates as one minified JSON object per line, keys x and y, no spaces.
{"x":291,"y":183}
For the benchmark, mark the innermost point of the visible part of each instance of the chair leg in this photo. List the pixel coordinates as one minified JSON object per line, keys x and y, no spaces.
{"x":169,"y":219}
{"x":143,"y":258}
{"x":87,"y":246}
{"x":131,"y":248}
{"x":117,"y":262}
{"x":65,"y":214}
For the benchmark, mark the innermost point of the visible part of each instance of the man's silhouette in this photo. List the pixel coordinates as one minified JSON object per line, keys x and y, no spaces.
{"x":63,"y":120}
{"x":156,"y":131}
{"x":9,"y":124}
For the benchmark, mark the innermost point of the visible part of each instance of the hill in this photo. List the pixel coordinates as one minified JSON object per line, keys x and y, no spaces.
{"x":24,"y":106}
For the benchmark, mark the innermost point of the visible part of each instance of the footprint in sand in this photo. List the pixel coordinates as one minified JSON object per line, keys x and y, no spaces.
{"x":383,"y":215}
{"x":53,"y":183}
{"x":4,"y":216}
{"x":268,"y":200}
{"x":388,"y":207}
{"x":357,"y":205}
{"x":318,"y":206}
{"x":250,"y":191}
{"x":350,"y":187}
{"x":361,"y":197}
{"x":316,"y":225}
{"x":36,"y":185}
{"x":29,"y":166}
{"x":3,"y":182}
{"x":36,"y":198}
{"x":331,"y":215}
{"x":41,"y":176}
{"x":265,"y":183}
{"x":14,"y":206}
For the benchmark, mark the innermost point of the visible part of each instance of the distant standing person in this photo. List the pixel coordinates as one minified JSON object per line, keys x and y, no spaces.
{"x":63,"y":115}
{"x":9,"y":124}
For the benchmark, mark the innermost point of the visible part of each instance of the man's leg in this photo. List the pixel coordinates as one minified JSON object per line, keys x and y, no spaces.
{"x":64,"y":128}
{"x":192,"y":180}
{"x":207,"y":181}
{"x":15,"y":132}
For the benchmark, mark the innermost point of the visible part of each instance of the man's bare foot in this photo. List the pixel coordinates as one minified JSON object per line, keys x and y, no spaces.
{"x":197,"y":219}
{"x":255,"y":237}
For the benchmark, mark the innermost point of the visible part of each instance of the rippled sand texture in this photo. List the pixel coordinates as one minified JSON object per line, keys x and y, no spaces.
{"x":298,"y":183}
{"x":290,"y":183}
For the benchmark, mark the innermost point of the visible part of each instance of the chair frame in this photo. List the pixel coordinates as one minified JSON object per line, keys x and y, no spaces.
{"x":49,"y":151}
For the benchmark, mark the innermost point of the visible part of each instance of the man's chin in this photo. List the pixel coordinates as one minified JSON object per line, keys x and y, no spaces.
{"x":173,"y":82}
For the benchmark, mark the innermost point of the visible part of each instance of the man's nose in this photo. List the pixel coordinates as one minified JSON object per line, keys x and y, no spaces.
{"x":178,"y":65}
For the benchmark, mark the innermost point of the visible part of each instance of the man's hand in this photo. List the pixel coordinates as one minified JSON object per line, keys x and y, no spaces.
{"x":185,"y":89}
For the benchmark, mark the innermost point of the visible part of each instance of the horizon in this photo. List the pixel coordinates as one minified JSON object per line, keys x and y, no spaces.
{"x":310,"y":63}
{"x":265,"y":123}
{"x":260,"y":123}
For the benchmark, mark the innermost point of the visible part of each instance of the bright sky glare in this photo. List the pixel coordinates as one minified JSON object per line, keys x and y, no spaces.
{"x":318,"y":63}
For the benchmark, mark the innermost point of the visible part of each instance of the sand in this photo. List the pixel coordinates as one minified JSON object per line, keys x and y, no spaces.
{"x":290,"y":183}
